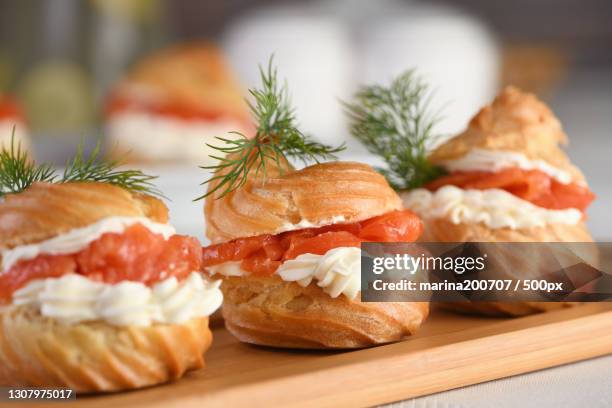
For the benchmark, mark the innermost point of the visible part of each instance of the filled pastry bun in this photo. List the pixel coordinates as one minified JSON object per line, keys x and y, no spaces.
{"x":172,"y":103}
{"x":507,"y":180}
{"x":288,"y":252}
{"x":97,"y":292}
{"x":13,"y":124}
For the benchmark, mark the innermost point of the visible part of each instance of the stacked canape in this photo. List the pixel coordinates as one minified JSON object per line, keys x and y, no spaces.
{"x":288,"y":249}
{"x":172,"y":103}
{"x":13,"y":125}
{"x":286,"y":242}
{"x":507,"y":181}
{"x":97,"y":292}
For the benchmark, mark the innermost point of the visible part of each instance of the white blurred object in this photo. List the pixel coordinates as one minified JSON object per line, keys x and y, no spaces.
{"x":181,"y":185}
{"x":312,"y":52}
{"x":453,"y":52}
{"x":167,"y":138}
{"x":327,"y":49}
{"x":14,"y":131}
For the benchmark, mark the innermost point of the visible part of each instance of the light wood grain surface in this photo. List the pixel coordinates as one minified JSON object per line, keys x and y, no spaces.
{"x":451,"y":351}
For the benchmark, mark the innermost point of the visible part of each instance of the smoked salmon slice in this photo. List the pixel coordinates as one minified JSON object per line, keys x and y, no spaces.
{"x":262,"y":255}
{"x":534,"y":186}
{"x":137,"y":255}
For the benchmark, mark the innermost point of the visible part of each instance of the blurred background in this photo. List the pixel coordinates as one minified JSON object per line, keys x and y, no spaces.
{"x":61,"y":60}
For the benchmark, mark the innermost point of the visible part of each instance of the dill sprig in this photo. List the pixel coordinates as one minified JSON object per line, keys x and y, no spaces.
{"x":393,"y":122}
{"x":276,"y":138}
{"x":18,"y":171}
{"x":97,"y":168}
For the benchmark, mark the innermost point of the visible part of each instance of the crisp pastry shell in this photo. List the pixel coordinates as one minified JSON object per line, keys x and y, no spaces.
{"x":269,"y":311}
{"x":46,"y":210}
{"x":288,"y":199}
{"x":38,"y":351}
{"x":519,"y":122}
{"x":516,"y":121}
{"x":87,"y":357}
{"x":441,"y":230}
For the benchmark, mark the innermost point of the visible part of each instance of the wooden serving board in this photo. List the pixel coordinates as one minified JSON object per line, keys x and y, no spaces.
{"x":449,"y":352}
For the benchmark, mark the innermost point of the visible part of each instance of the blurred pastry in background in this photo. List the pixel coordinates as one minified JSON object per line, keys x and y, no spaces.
{"x":13,"y":121}
{"x":172,"y":103}
{"x":537,"y":68}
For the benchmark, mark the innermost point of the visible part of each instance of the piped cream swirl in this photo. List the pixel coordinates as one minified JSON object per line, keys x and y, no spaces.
{"x":494,"y":207}
{"x":478,"y":159}
{"x":74,"y":298}
{"x":337,"y":272}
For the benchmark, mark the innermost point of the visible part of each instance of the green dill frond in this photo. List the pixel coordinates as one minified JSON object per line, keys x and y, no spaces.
{"x":393,"y":122}
{"x":18,"y":172}
{"x":96,"y":168}
{"x":276,"y":137}
{"x":246,"y":154}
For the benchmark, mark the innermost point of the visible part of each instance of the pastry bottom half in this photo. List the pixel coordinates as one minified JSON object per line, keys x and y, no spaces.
{"x":269,"y":311}
{"x":95,"y":357}
{"x":440,"y":230}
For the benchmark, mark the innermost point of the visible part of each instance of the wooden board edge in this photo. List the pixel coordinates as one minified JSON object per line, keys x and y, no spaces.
{"x":409,"y":375}
{"x":562,"y":337}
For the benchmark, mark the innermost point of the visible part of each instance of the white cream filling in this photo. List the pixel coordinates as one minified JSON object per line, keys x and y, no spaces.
{"x":494,"y":207}
{"x":231,"y":268}
{"x":158,"y":137}
{"x":79,"y":238}
{"x":308,"y":224}
{"x":21,"y":134}
{"x":337,"y":272}
{"x":74,"y":298}
{"x":479,"y":159}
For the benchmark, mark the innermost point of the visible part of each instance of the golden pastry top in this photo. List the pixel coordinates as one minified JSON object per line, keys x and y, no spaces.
{"x":320,"y":194}
{"x":46,"y":210}
{"x":516,"y":121}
